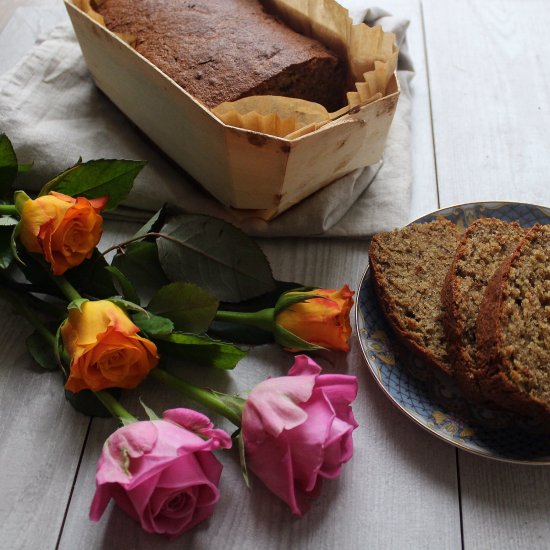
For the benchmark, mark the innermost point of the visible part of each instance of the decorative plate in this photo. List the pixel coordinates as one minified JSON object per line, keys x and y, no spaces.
{"x":431,"y":398}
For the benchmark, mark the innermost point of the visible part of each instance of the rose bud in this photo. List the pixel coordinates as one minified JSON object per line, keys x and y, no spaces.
{"x":297,"y":430}
{"x":104,"y":348}
{"x":65,"y":230}
{"x":302,"y":319}
{"x":319,"y":317}
{"x":162,"y":473}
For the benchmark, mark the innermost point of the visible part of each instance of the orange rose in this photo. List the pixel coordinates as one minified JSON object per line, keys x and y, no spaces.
{"x":322,"y":320}
{"x":105,"y":349}
{"x":65,"y":230}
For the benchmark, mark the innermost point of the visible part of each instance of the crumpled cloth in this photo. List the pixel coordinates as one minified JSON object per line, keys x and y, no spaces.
{"x":54,"y":115}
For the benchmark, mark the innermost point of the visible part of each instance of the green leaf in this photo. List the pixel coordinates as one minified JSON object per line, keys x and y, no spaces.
{"x":91,"y":278}
{"x":153,"y":325}
{"x":187,"y":305}
{"x":126,"y":305}
{"x":288,"y":300}
{"x":22,"y":168}
{"x":97,"y":178}
{"x":140,"y":264}
{"x":8,"y":165}
{"x":20,"y":198}
{"x":60,"y":353}
{"x":6,"y":254}
{"x":13,"y":243}
{"x":77,"y":304}
{"x":150,"y":412}
{"x":87,"y":403}
{"x":41,"y":351}
{"x":289,"y":340}
{"x":200,"y":349}
{"x":242,"y":457}
{"x":214,"y":255}
{"x":34,"y":272}
{"x":154,"y":224}
{"x":126,"y":287}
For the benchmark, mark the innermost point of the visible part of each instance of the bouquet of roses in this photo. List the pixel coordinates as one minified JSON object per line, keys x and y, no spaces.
{"x":184,"y":286}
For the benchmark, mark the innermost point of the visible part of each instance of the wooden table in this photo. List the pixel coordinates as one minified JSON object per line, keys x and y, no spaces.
{"x":481,"y":118}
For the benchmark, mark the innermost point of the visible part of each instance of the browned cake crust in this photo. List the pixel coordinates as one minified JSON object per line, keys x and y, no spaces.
{"x":408,"y":269}
{"x":483,"y":247}
{"x":222,"y":50}
{"x":513,"y":330}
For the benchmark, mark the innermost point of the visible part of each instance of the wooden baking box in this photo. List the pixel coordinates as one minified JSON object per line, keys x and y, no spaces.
{"x":245,"y":168}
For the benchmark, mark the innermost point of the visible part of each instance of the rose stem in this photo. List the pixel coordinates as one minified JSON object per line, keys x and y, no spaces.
{"x":8,"y":209}
{"x":67,"y":288}
{"x":199,"y":395}
{"x":114,"y":407}
{"x":261,"y":319}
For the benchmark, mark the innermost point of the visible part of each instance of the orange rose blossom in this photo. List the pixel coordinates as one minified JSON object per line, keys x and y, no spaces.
{"x":104,"y":348}
{"x":322,"y":320}
{"x":65,"y":230}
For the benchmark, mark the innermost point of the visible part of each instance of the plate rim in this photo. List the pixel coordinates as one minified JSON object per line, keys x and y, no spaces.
{"x":404,"y":410}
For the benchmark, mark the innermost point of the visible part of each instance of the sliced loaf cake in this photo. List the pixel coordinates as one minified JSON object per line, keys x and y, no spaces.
{"x":513,"y":330}
{"x":408,"y":268}
{"x":483,"y":247}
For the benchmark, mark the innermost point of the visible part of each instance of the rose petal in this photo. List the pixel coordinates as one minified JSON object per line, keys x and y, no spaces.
{"x":199,"y":424}
{"x":308,"y":440}
{"x":127,"y":443}
{"x":274,"y":405}
{"x":271,"y":461}
{"x":304,"y":365}
{"x":338,"y":449}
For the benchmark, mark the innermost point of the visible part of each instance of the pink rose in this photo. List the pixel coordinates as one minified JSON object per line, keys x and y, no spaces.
{"x":162,"y":473}
{"x":297,"y":429}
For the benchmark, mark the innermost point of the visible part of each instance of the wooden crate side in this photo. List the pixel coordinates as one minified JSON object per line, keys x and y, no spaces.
{"x":355,"y":141}
{"x":258,"y":166}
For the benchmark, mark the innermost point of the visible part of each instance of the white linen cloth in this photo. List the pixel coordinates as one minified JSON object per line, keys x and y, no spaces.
{"x":53,"y":114}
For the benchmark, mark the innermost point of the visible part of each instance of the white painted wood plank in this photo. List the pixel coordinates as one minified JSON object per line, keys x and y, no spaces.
{"x":41,"y":438}
{"x":399,"y":490}
{"x":491,"y":105}
{"x":505,"y":506}
{"x":490,"y":86}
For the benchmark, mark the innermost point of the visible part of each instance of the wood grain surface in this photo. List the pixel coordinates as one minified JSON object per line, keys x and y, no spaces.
{"x":481,"y":109}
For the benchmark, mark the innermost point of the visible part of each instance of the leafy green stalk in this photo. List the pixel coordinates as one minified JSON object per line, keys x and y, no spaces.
{"x":228,"y":406}
{"x":115,"y":408}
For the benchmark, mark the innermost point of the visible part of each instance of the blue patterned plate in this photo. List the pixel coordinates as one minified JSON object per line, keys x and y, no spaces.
{"x":431,"y":398}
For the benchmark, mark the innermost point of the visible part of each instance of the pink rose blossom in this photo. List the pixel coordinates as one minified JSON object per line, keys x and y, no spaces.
{"x":297,"y":429}
{"x":162,"y":473}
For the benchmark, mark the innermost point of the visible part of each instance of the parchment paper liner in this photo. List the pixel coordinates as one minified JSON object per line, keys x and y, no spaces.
{"x":371,"y":55}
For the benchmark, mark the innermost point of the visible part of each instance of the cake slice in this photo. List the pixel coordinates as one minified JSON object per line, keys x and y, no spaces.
{"x":513,"y":330}
{"x":484,"y":246}
{"x":409,"y":266}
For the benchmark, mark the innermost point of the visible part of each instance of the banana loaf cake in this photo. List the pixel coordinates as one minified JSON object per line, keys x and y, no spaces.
{"x":513,"y":330}
{"x":223,"y":50}
{"x":408,"y":267}
{"x":483,"y":247}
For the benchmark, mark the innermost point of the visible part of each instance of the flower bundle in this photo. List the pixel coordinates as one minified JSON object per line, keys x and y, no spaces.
{"x":185,"y":287}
